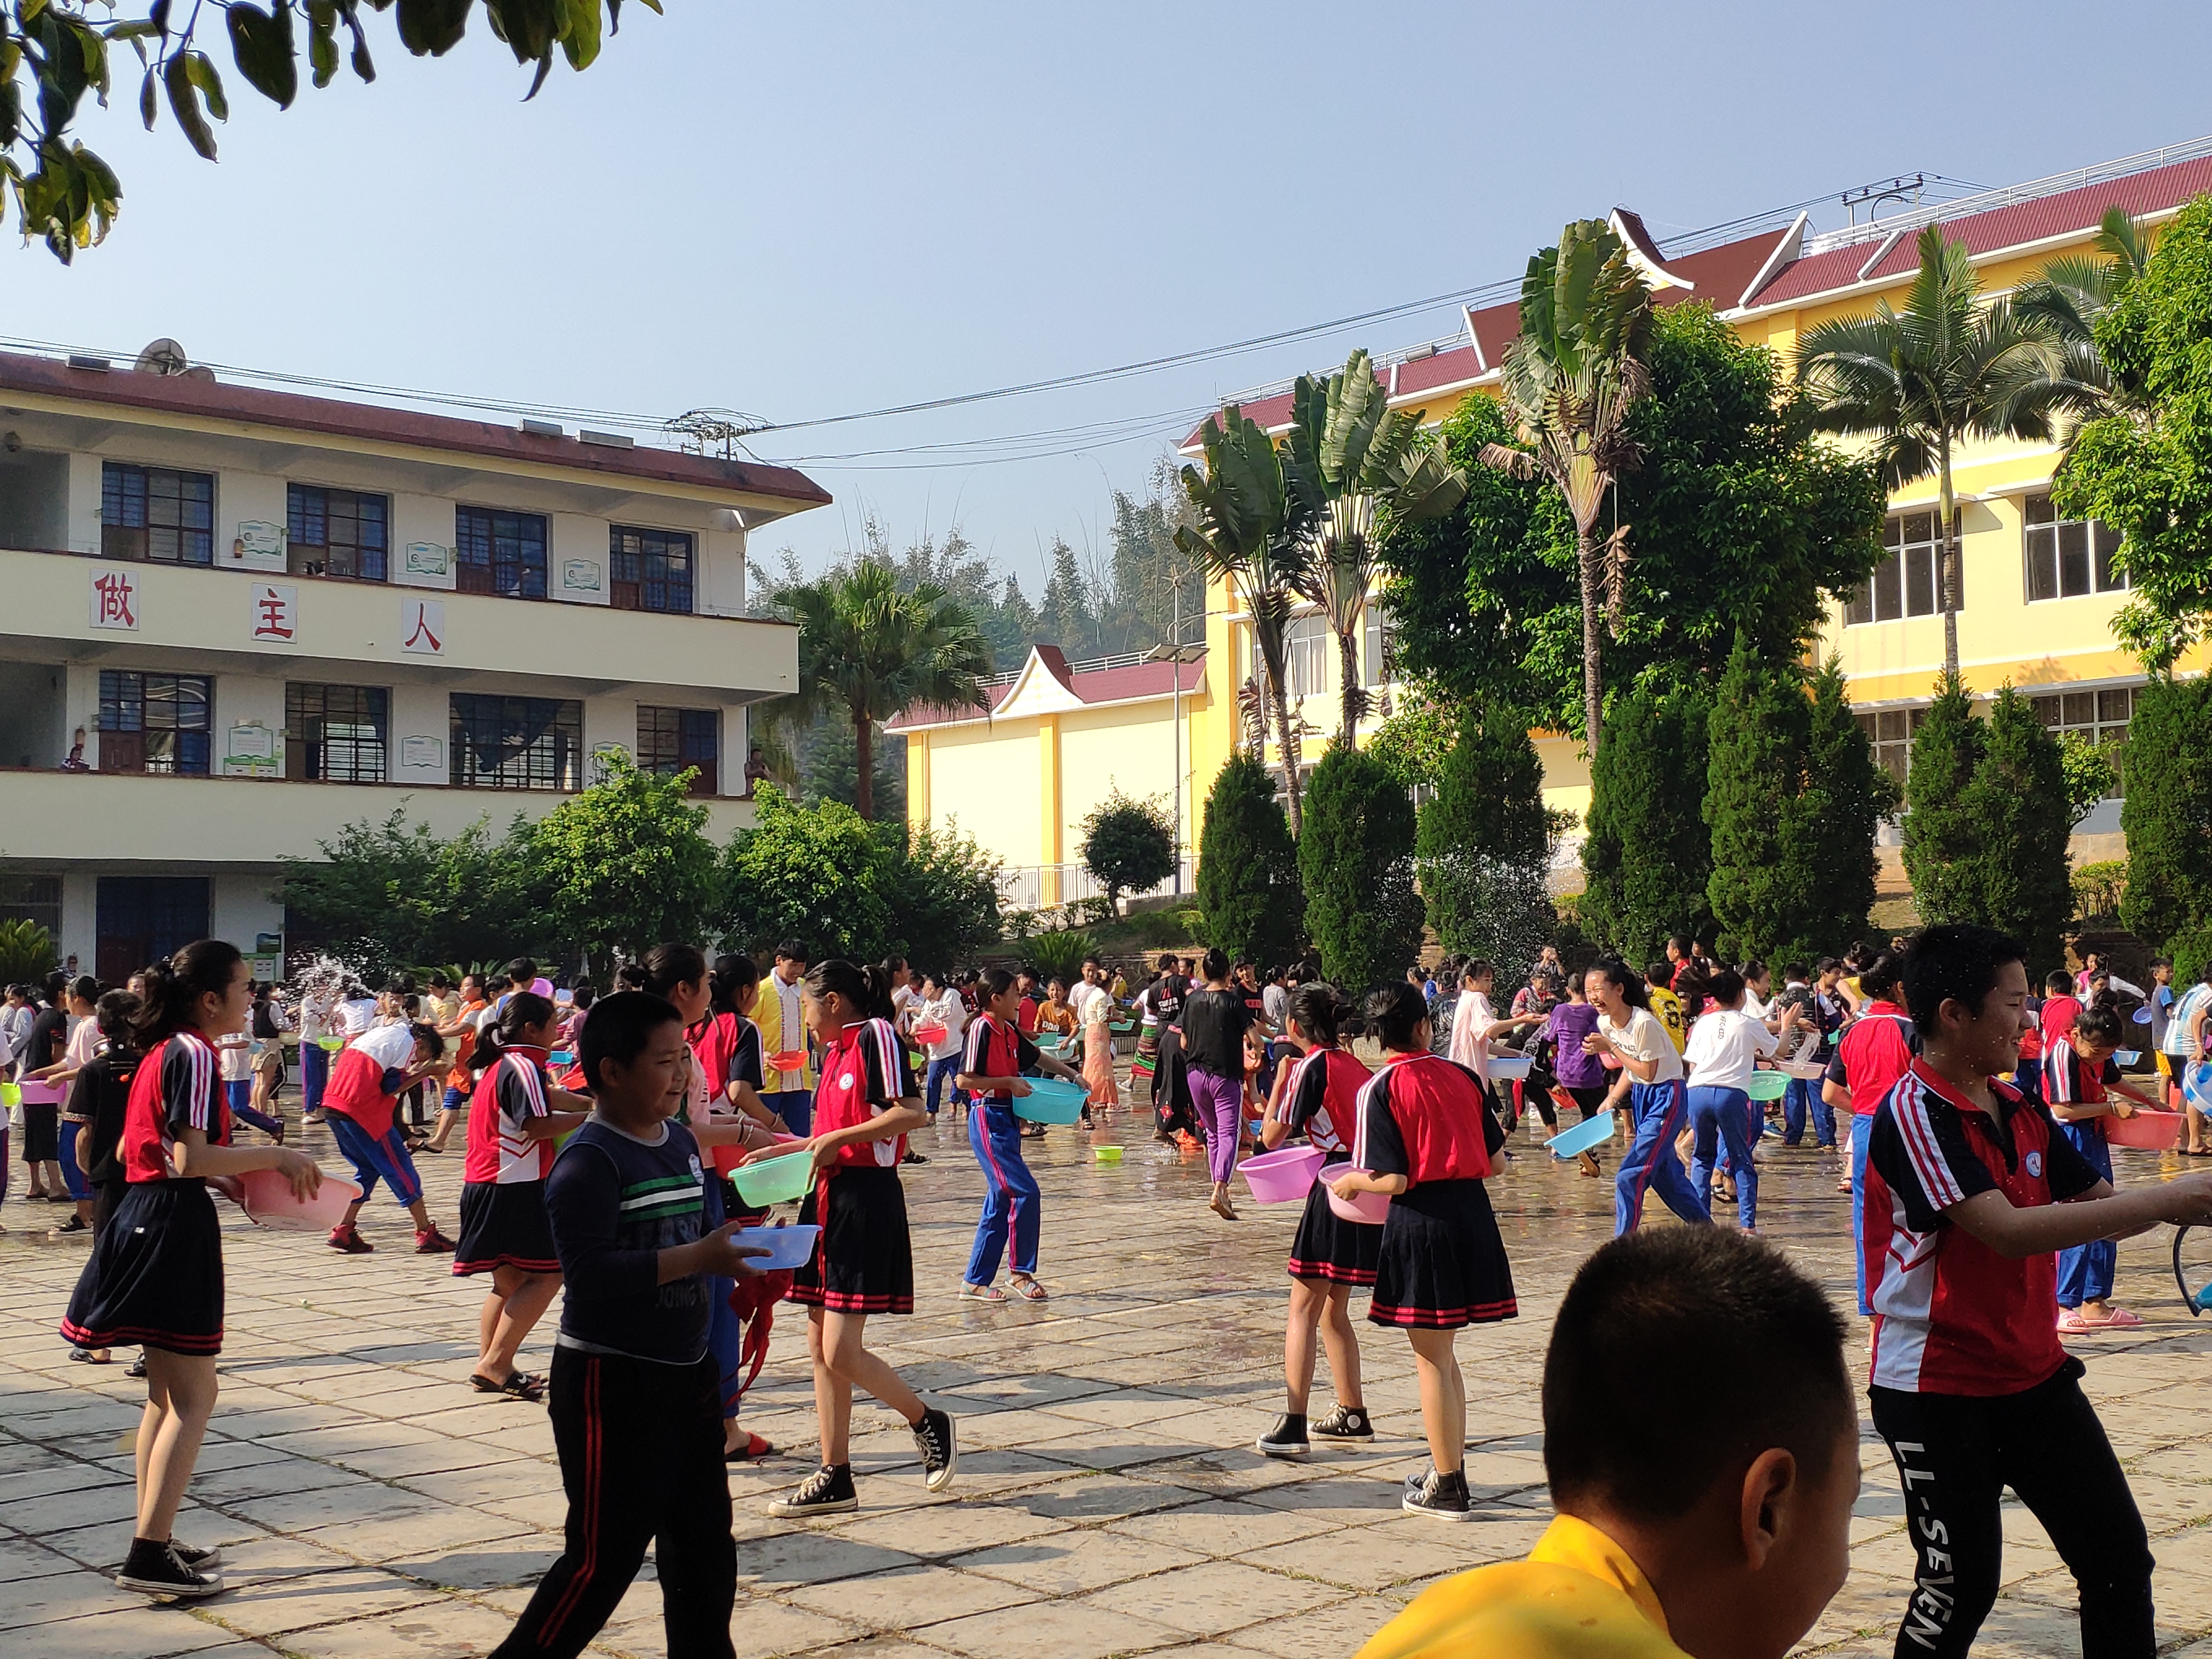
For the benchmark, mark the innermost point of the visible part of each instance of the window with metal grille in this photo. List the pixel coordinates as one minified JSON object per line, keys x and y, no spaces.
{"x":1378,"y":647}
{"x":652,"y":570}
{"x":338,"y":532}
{"x":337,"y":734}
{"x":499,"y":552}
{"x":672,"y":740}
{"x":1890,"y":731}
{"x":1308,"y":645}
{"x":2067,"y":557}
{"x":155,"y":722}
{"x":2101,"y":716}
{"x":517,"y":742}
{"x":157,"y":512}
{"x":34,"y":899}
{"x":1904,"y":583}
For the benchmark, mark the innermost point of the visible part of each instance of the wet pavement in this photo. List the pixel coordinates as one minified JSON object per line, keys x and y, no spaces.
{"x":1109,"y":1499}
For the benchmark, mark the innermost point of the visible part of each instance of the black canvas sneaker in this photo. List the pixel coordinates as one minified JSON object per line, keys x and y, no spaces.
{"x":197,"y":1560}
{"x":939,"y":1456}
{"x":1442,"y":1496}
{"x":154,"y":1570}
{"x":828,"y":1490}
{"x":1346,"y":1425}
{"x":1288,"y":1438}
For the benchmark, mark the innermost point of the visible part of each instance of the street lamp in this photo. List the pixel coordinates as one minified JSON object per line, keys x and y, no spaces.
{"x":1176,"y":654}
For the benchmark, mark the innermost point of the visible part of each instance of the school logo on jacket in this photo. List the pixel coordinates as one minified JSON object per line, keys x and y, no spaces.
{"x":2034,"y":1162}
{"x":845,"y":1080}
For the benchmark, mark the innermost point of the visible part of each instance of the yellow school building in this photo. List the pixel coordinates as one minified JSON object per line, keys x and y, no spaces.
{"x":2039,"y":592}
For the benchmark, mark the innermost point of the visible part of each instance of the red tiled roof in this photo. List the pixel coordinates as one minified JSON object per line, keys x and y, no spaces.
{"x":1445,"y":368}
{"x":373,"y":423}
{"x":2069,"y":213}
{"x":1096,"y":685}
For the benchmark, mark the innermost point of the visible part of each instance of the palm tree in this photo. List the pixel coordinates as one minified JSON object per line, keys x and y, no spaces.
{"x":2066,"y":298}
{"x":869,"y":652}
{"x":1251,"y":532}
{"x":1570,"y":379}
{"x":1347,"y":455}
{"x":1923,"y":380}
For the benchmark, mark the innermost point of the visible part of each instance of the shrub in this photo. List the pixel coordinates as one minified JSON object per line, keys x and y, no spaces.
{"x":26,"y":952}
{"x":1059,"y":955}
{"x":2167,"y":815}
{"x":1484,"y":844}
{"x":805,"y":873}
{"x":1248,"y":874}
{"x":1941,"y":843}
{"x":2019,"y":866}
{"x":1759,"y":744}
{"x":1848,"y":795}
{"x":625,"y":864}
{"x":1648,"y":854}
{"x":1130,"y":845}
{"x":1355,"y":859}
{"x":2098,"y":888}
{"x":940,"y":892}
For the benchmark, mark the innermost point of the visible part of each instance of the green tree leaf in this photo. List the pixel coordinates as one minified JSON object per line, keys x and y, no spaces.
{"x":262,"y":45}
{"x":185,"y":104}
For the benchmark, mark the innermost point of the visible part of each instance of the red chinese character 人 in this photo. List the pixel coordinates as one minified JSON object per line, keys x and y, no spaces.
{"x":423,"y":634}
{"x":274,"y":621}
{"x":116,"y":593}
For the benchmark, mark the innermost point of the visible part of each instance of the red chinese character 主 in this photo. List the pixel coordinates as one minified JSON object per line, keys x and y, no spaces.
{"x":116,"y":592}
{"x":272,"y":616}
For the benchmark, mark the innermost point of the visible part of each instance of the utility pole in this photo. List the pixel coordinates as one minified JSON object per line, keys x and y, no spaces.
{"x":1174,"y":667}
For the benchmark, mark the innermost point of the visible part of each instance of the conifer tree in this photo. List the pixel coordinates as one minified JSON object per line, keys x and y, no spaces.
{"x":2168,"y":812}
{"x":1941,"y":843}
{"x":2017,"y":803}
{"x":1648,"y":852}
{"x":1355,"y":857}
{"x":1759,"y":739}
{"x":1846,"y":798}
{"x":1483,"y":844}
{"x":1248,"y":875}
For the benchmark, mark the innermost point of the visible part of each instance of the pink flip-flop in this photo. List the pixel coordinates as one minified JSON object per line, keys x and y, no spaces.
{"x":2072,"y":1324}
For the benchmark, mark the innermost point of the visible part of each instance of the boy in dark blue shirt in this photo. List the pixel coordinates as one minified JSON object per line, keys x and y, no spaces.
{"x":635,"y":1396}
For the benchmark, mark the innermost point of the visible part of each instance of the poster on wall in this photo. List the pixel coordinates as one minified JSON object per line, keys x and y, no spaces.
{"x":426,"y":564}
{"x":417,"y":753}
{"x":258,"y":546}
{"x":114,"y":598}
{"x":250,"y":751}
{"x":580,"y":579}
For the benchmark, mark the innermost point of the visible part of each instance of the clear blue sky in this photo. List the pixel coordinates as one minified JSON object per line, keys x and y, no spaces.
{"x":803,"y":210}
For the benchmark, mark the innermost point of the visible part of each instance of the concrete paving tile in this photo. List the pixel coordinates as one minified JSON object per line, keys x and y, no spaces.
{"x":1325,"y":1632}
{"x":142,"y":1632}
{"x":448,"y":1629}
{"x":1067,"y":1563}
{"x":1049,"y":1630}
{"x":910,"y":1597}
{"x":1211,"y":1597}
{"x":402,"y":1537}
{"x":276,"y":1606}
{"x":1221,"y":1527}
{"x":946,"y":1527}
{"x":812,"y":1558}
{"x":36,"y":1602}
{"x":504,"y":1563}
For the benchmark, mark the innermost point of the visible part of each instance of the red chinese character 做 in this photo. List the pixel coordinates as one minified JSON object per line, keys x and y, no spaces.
{"x":116,"y":593}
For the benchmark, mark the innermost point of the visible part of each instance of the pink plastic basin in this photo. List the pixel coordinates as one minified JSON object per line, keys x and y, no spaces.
{"x":2152,"y":1131}
{"x":1282,"y":1177}
{"x":1373,"y":1207}
{"x":929,"y":1034}
{"x":267,"y":1198}
{"x":44,"y":1094}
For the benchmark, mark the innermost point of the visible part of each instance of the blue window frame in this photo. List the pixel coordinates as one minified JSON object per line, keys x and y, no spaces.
{"x":500,"y":552}
{"x":338,"y":532}
{"x":155,"y":722}
{"x":157,"y":513}
{"x":652,"y":570}
{"x":672,"y":740}
{"x":517,"y":742}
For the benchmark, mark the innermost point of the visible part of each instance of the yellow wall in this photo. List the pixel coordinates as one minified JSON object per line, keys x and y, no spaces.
{"x":986,"y":780}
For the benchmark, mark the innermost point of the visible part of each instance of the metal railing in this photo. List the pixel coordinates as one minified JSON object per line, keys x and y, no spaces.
{"x":1119,"y":660}
{"x":1044,"y":886}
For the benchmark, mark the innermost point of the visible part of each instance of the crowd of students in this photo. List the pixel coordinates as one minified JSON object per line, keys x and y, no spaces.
{"x":1983,"y":1210}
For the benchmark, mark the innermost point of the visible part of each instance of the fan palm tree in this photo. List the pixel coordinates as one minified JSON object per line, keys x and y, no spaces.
{"x":2066,"y":298}
{"x":868,"y":652}
{"x":1570,"y":377}
{"x":1251,"y":532}
{"x":1347,"y":455}
{"x":1947,"y":368}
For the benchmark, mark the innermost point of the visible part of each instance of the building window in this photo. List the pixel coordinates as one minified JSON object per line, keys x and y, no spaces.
{"x":1378,"y":646}
{"x":1890,"y":731}
{"x":157,"y":512}
{"x":517,"y":743}
{"x":155,"y":722}
{"x":672,"y":740}
{"x":2101,"y":717}
{"x":337,"y":734}
{"x":500,"y":552}
{"x":339,"y":532}
{"x":1307,"y":644}
{"x":1904,"y":583}
{"x":652,"y":570}
{"x":34,"y":899}
{"x":2069,"y":557}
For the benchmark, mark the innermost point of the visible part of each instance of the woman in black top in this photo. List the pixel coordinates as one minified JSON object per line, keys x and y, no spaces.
{"x":1213,"y":1023}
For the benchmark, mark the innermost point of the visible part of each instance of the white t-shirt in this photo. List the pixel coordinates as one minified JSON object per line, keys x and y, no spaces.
{"x":1642,"y":1038}
{"x":356,"y":1016}
{"x":1471,"y":1022}
{"x":1723,"y":1043}
{"x":950,"y":1010}
{"x":2185,"y":1018}
{"x":1754,"y":1006}
{"x":236,"y":1053}
{"x":391,"y":1047}
{"x":1092,"y":1004}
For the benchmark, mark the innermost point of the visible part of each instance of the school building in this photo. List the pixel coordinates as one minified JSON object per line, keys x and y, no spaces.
{"x":233,"y":621}
{"x":2039,"y":592}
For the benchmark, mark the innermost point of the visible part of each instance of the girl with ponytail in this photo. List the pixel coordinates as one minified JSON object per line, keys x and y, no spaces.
{"x":515,"y":1115}
{"x":863,"y":1107}
{"x":155,"y":1274}
{"x":997,"y":1055}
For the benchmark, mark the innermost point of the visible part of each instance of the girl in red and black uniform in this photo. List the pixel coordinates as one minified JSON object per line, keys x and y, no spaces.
{"x":1330,"y":1255}
{"x":515,"y":1115}
{"x":1426,"y":1136}
{"x":155,"y":1273}
{"x":863,"y":1109}
{"x":992,"y":1072}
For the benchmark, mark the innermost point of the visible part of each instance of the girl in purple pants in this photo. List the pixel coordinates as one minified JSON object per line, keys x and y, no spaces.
{"x":1213,"y":1022}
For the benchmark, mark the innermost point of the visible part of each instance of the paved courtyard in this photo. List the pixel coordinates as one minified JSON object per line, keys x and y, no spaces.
{"x":1109,"y":1499}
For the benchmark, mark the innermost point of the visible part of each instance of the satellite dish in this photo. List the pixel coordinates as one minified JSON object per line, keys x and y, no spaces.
{"x":165,"y":357}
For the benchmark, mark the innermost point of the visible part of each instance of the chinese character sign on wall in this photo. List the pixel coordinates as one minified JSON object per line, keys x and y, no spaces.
{"x":423,"y":627}
{"x":275,"y":611}
{"x":115,"y":597}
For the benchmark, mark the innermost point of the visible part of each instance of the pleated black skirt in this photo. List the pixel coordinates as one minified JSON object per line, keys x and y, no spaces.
{"x":155,"y":1277}
{"x":1328,"y":1247}
{"x":864,"y":1261}
{"x":1442,"y":1263}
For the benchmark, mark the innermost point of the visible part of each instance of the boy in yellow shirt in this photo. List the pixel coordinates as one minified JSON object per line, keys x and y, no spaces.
{"x":1714,"y":1521}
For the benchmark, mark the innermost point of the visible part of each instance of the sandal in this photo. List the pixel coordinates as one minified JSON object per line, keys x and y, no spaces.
{"x":982,"y":1292}
{"x":1027,"y":1288}
{"x":520,"y":1385}
{"x":86,"y":1357}
{"x":752,"y":1450}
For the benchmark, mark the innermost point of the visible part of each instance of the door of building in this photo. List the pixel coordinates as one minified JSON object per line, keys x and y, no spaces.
{"x":145,"y":918}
